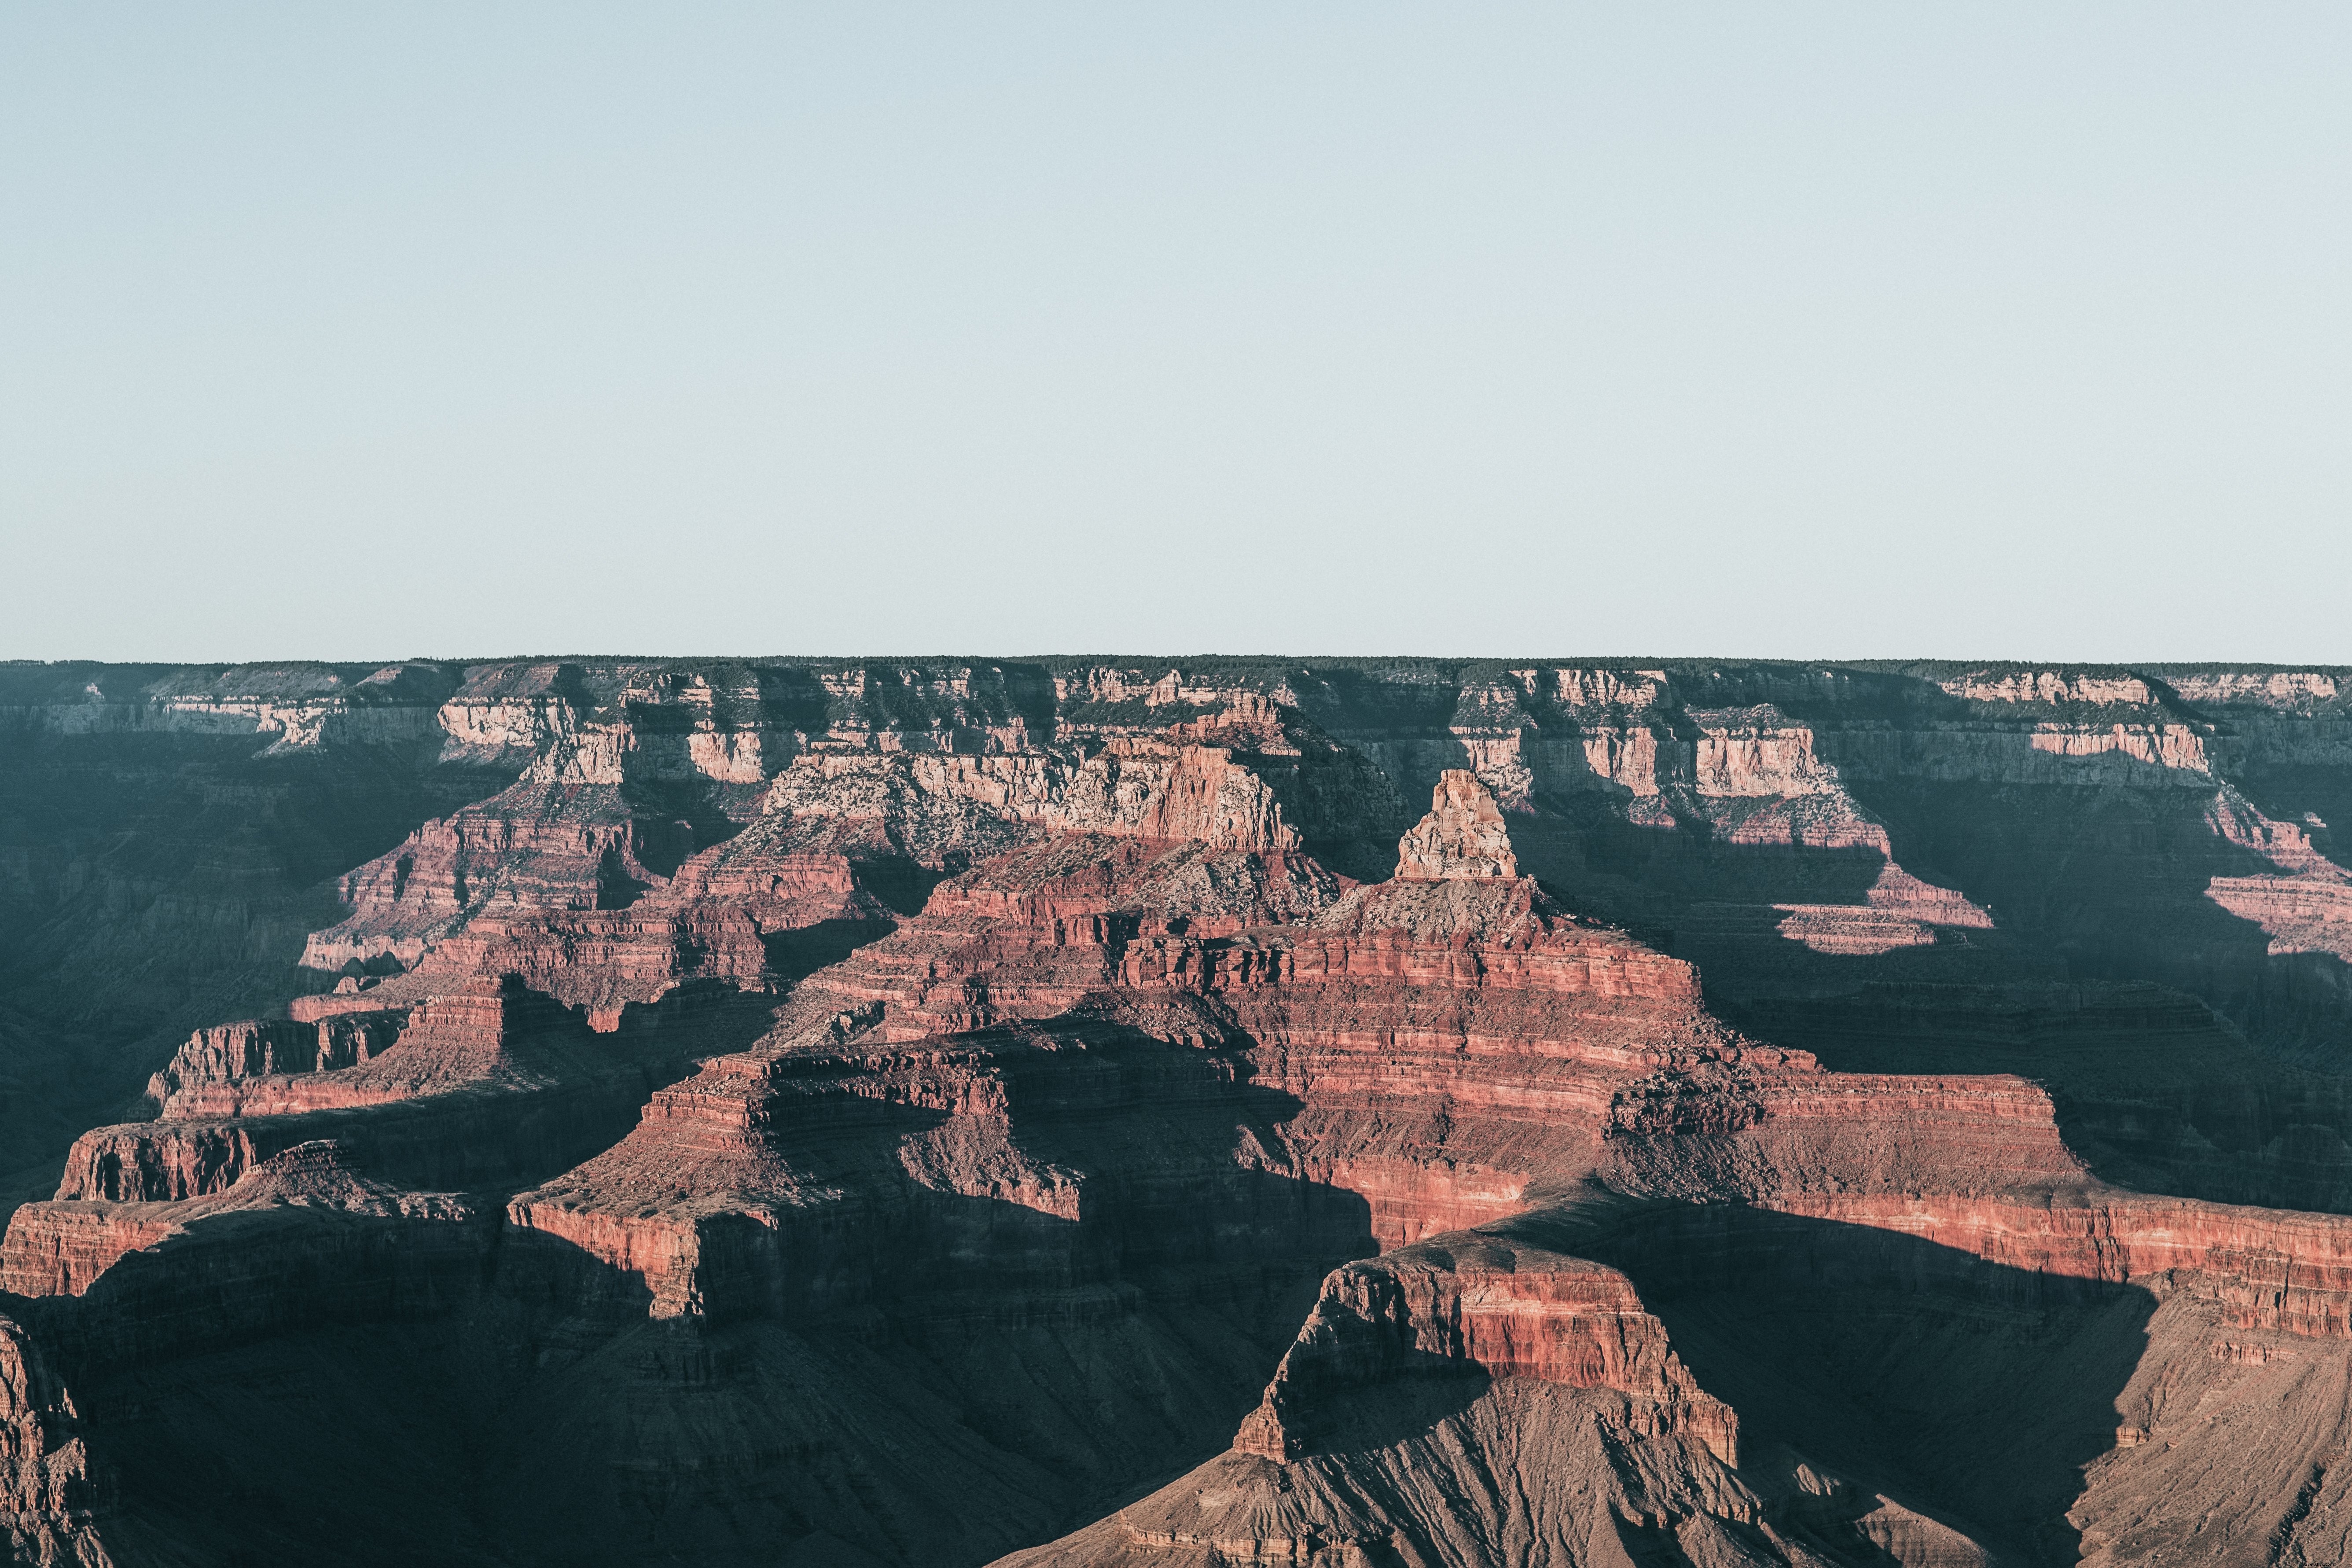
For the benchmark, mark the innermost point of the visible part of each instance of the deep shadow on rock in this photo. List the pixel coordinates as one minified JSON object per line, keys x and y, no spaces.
{"x":936,"y":1377}
{"x":2153,"y":1089}
{"x":1968,"y":1391}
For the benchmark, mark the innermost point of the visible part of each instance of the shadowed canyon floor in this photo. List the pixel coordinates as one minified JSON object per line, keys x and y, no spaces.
{"x":1098,"y":1111}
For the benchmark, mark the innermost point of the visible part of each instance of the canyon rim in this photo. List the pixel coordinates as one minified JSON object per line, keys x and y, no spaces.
{"x":1344,"y":1114}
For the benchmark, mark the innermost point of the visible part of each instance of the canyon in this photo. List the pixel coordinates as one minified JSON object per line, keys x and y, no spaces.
{"x":1345,"y":1113}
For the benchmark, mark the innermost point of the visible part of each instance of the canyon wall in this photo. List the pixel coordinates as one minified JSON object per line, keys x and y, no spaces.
{"x":904,"y":1111}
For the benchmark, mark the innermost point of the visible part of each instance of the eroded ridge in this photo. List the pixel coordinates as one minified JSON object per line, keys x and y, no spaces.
{"x":893,"y":1115}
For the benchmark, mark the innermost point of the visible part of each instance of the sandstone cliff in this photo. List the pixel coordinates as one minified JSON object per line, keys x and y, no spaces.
{"x":906,"y":1111}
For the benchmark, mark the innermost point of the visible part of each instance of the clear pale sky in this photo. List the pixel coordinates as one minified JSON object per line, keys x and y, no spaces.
{"x":364,"y":331}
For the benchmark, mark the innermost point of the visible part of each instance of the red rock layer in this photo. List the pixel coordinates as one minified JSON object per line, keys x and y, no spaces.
{"x":545,"y":844}
{"x":2265,"y":1269}
{"x":1430,"y":1049}
{"x":852,"y":1171}
{"x":300,"y":1235}
{"x":218,"y":1275}
{"x":1754,"y":1132}
{"x":1972,"y":1164}
{"x":480,"y":1081}
{"x":1513,"y":1310}
{"x":714,"y":921}
{"x":1463,"y":836}
{"x":263,"y":1048}
{"x":61,"y":1248}
{"x":1136,"y":1033}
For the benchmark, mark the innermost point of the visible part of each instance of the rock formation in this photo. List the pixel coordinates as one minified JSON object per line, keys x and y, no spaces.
{"x":48,"y":1499}
{"x":1461,"y":836}
{"x":922,"y":1112}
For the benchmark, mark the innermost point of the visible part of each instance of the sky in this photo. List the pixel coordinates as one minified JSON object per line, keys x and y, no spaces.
{"x":364,"y":331}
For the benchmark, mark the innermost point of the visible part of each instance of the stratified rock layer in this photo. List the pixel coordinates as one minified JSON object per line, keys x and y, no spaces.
{"x":1461,"y":836}
{"x":896,"y":1113}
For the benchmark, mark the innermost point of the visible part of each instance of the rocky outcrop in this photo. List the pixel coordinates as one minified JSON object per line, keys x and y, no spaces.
{"x":1153,"y":966}
{"x":2263,"y":1269}
{"x":1463,"y":836}
{"x":50,"y":1498}
{"x":490,"y":1082}
{"x":1511,"y":1311}
{"x":228,"y":1053}
{"x":295,"y":706}
{"x":542,"y":846}
{"x":797,"y":1109}
{"x":2303,"y":904}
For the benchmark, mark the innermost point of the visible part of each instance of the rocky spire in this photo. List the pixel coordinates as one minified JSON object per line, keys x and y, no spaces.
{"x":1461,"y":836}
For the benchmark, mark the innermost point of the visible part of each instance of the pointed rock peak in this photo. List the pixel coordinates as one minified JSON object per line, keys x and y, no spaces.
{"x":1463,"y":836}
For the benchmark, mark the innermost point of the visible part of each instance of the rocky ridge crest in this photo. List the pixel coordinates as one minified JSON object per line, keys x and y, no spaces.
{"x":903,"y":1105}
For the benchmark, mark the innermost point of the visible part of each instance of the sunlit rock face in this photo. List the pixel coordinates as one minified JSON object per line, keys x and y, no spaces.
{"x":1463,"y":838}
{"x":1089,"y":1111}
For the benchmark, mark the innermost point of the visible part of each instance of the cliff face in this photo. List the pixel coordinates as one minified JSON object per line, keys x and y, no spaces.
{"x":49,"y":1502}
{"x":900,"y":1112}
